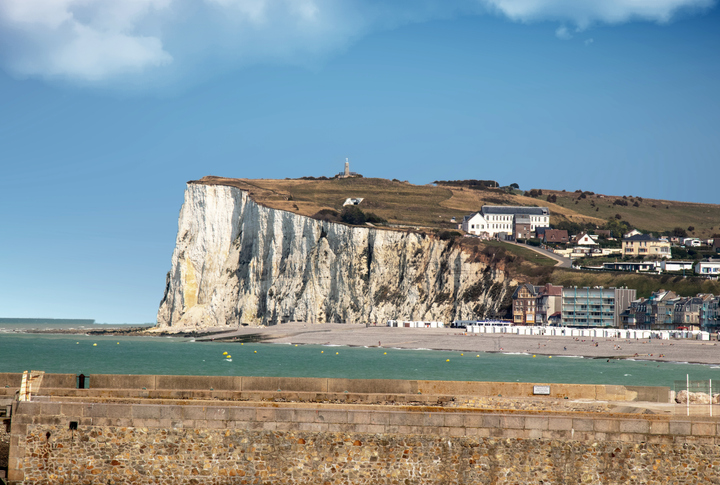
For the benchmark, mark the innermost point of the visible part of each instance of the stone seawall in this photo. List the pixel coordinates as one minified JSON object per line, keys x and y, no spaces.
{"x":190,"y":442}
{"x":304,"y":388}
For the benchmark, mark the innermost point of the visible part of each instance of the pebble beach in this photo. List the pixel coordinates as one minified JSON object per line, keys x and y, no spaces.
{"x":675,"y":350}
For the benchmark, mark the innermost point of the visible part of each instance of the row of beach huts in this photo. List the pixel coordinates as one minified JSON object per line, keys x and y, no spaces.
{"x":499,"y":327}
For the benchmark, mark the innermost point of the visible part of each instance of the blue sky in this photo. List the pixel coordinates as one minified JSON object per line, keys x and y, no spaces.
{"x":107,"y":108}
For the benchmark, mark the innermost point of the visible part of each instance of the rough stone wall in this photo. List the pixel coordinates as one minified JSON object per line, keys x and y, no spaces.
{"x":243,"y":444}
{"x":236,"y":261}
{"x":194,"y":456}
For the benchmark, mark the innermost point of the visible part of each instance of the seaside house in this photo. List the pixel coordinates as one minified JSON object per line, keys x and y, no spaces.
{"x":536,"y":305}
{"x":656,"y":312}
{"x":686,"y":314}
{"x":549,"y":304}
{"x":635,"y":266}
{"x":522,"y":229}
{"x":710,"y":314}
{"x":708,"y":268}
{"x":670,"y":266}
{"x":584,"y":239}
{"x":555,"y":236}
{"x":646,"y":246}
{"x":525,"y":305}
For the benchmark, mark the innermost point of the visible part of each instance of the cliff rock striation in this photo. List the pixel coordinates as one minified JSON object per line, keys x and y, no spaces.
{"x":236,"y":261}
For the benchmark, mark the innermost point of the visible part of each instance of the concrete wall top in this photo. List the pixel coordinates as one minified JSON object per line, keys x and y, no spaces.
{"x":356,"y":386}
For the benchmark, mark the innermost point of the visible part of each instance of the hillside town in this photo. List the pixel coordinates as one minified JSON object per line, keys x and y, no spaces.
{"x":632,"y":251}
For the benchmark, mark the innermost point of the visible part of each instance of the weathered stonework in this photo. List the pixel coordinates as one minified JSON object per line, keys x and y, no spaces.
{"x":115,"y":455}
{"x":308,"y":443}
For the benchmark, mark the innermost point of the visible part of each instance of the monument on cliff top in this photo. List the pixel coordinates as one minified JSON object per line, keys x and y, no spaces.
{"x":347,"y":173}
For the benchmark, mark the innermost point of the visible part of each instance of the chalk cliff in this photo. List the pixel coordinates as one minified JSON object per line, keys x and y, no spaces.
{"x":238,"y":261}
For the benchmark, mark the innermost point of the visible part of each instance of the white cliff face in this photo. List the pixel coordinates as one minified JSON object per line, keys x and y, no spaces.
{"x":239,"y":262}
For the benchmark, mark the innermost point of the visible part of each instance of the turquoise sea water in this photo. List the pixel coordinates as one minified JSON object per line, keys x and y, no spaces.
{"x":180,"y":356}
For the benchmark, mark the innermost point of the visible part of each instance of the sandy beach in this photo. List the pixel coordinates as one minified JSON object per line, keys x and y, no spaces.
{"x":693,"y":351}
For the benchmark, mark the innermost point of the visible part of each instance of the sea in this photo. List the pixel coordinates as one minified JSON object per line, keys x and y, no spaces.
{"x":86,"y":354}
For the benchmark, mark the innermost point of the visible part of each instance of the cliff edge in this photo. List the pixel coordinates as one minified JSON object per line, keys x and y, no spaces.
{"x":236,"y":261}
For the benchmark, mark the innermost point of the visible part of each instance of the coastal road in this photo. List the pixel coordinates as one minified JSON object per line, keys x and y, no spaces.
{"x":562,"y":261}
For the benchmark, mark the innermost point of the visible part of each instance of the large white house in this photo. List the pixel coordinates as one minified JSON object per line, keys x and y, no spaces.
{"x":494,"y":219}
{"x":708,"y":268}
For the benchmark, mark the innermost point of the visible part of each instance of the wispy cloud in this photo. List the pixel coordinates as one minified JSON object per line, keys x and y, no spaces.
{"x":106,"y":41}
{"x":563,"y":33}
{"x":583,"y":13}
{"x":589,"y":41}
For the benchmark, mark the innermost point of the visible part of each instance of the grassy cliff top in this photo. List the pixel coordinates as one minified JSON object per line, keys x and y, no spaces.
{"x":433,"y":206}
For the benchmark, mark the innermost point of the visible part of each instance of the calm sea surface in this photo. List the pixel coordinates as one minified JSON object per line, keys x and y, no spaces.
{"x":181,"y":356}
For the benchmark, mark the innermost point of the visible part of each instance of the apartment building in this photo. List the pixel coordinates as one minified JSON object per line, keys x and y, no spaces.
{"x":595,"y":307}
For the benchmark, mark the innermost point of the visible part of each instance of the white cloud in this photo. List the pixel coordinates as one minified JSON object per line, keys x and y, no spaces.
{"x":106,"y":41}
{"x":586,"y":12}
{"x":90,"y":40}
{"x":589,"y":41}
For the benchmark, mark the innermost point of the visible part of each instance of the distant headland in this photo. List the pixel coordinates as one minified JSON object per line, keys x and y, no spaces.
{"x":63,"y":321}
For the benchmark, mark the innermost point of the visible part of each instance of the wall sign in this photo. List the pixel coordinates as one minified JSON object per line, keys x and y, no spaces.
{"x":541,"y":390}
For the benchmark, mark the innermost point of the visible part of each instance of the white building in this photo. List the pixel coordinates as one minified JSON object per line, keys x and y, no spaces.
{"x":676,"y":265}
{"x":708,"y":268}
{"x":692,"y":242}
{"x":586,"y":240}
{"x":493,"y":219}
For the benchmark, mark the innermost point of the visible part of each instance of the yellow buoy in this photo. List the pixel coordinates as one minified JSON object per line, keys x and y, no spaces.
{"x":295,"y":345}
{"x":118,"y":343}
{"x":229,"y":356}
{"x":256,"y":351}
{"x":384,"y":353}
{"x":322,"y":351}
{"x":337,"y":353}
{"x":447,"y":360}
{"x":77,"y":342}
{"x":533,"y":356}
{"x":549,"y":356}
{"x":242,"y":343}
{"x":94,"y":345}
{"x":224,"y":353}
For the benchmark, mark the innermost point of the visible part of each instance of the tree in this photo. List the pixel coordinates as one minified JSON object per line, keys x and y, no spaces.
{"x":552,"y":198}
{"x":691,"y":228}
{"x":679,"y":232}
{"x":617,"y":227}
{"x":514,"y":186}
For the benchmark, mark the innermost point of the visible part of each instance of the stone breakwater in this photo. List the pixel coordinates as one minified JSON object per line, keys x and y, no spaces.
{"x":238,"y":261}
